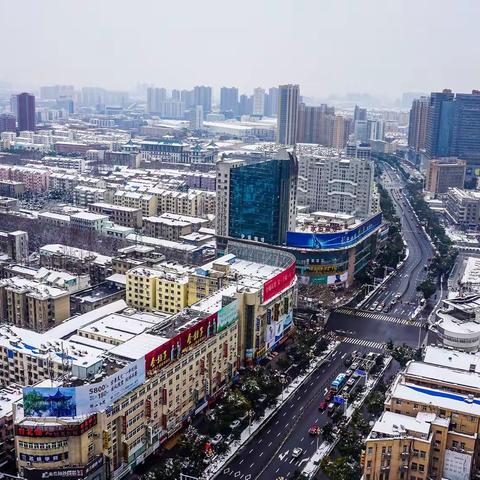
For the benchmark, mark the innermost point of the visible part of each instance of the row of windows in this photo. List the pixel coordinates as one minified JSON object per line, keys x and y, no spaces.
{"x":43,"y":446}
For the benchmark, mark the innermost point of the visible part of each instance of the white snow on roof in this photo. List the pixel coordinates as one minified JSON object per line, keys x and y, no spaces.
{"x":75,"y":323}
{"x":138,"y":346}
{"x":396,"y":424}
{"x":451,"y":358}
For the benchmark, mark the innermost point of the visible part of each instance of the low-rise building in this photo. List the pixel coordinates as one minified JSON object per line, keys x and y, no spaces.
{"x":56,"y":219}
{"x":126,"y":216}
{"x":89,"y":221}
{"x":463,"y":207}
{"x":430,"y":426}
{"x":144,"y":201}
{"x":15,"y":245}
{"x":84,"y":195}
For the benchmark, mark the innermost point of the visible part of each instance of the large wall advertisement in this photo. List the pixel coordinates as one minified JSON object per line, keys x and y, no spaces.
{"x":85,"y":399}
{"x":227,"y":316}
{"x":276,"y":329}
{"x":278,"y":283}
{"x":457,"y":465}
{"x":342,"y":239}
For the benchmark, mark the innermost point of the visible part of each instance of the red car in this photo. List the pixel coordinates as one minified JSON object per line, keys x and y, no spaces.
{"x":314,"y":430}
{"x":323,"y":405}
{"x":329,"y":396}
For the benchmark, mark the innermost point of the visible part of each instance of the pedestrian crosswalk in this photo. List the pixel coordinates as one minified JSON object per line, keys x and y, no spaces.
{"x":377,"y":316}
{"x":364,"y":343}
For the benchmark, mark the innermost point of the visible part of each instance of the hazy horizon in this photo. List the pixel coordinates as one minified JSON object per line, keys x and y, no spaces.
{"x":328,"y":47}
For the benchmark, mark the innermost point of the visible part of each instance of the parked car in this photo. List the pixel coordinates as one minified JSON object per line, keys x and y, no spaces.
{"x":217,"y":439}
{"x":323,"y":405}
{"x":235,"y":424}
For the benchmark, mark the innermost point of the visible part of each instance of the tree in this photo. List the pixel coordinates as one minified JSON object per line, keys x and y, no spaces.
{"x":192,"y":451}
{"x":327,"y":432}
{"x":341,"y":468}
{"x":375,"y":403}
{"x":168,"y":469}
{"x":428,"y":288}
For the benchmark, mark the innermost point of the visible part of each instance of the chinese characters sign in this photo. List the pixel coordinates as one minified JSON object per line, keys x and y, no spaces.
{"x":182,"y":343}
{"x":278,"y":283}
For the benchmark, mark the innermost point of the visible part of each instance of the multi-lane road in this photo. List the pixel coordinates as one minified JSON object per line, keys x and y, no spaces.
{"x":268,"y":455}
{"x":404,"y":283}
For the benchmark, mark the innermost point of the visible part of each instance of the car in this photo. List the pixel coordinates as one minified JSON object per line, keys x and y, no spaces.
{"x":349,"y":372}
{"x":297,"y":451}
{"x":314,"y":430}
{"x":235,"y":424}
{"x":328,"y":396}
{"x":217,"y":439}
{"x":351,"y":381}
{"x":323,"y":405}
{"x":380,"y":307}
{"x":354,"y":365}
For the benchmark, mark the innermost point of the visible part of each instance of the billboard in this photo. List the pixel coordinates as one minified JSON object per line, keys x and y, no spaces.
{"x":73,"y":473}
{"x":50,"y":402}
{"x":85,"y":399}
{"x":457,"y":465}
{"x":280,"y":282}
{"x":50,"y":431}
{"x":227,"y":316}
{"x":185,"y":341}
{"x":96,"y":397}
{"x":276,"y":329}
{"x":334,"y":240}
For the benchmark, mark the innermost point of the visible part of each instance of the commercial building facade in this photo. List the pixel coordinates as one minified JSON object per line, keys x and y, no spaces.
{"x":445,"y":173}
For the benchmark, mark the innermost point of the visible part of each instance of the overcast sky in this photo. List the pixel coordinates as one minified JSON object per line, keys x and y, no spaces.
{"x":381,"y":47}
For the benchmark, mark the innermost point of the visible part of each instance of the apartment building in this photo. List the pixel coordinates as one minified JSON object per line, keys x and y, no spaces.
{"x":76,"y":260}
{"x":31,"y":304}
{"x":172,"y":226}
{"x":126,"y":216}
{"x":15,"y":245}
{"x":182,"y":203}
{"x":84,"y":195}
{"x":337,"y":184}
{"x":163,"y":288}
{"x":431,"y":423}
{"x":71,"y":163}
{"x":146,"y":202}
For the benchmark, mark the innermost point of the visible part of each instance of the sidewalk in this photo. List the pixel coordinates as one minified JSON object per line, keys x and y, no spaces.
{"x":313,"y":465}
{"x":216,"y":467}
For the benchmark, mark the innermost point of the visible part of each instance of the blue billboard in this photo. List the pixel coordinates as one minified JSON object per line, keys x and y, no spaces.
{"x":341,"y":239}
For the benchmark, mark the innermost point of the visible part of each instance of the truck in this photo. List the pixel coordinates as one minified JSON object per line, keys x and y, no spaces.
{"x":339,"y":381}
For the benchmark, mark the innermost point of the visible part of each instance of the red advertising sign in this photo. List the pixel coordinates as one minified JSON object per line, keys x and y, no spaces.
{"x":182,"y":343}
{"x":57,"y":431}
{"x":279,"y":282}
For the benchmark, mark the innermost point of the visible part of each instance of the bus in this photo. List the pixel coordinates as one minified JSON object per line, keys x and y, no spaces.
{"x":338,"y":383}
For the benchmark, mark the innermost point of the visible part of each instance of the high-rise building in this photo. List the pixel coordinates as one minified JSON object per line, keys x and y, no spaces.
{"x":93,"y":96}
{"x":229,"y":100}
{"x":257,"y":201}
{"x":359,"y":113}
{"x":7,"y":123}
{"x":155,"y":98}
{"x":375,"y":130}
{"x":417,"y":125}
{"x":196,"y":117}
{"x":338,"y":185}
{"x":186,"y":96}
{"x":444,"y":173}
{"x":56,"y":92}
{"x":258,"y":101}
{"x":360,"y":131}
{"x":271,"y":101}
{"x":439,"y":124}
{"x":176,"y":95}
{"x":26,"y":112}
{"x":315,"y":124}
{"x":340,"y":132}
{"x":245,"y":105}
{"x":287,"y":114}
{"x":203,"y":96}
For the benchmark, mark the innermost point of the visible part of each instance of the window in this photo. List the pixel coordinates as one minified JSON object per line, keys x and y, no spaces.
{"x":369,"y":463}
{"x":421,"y":467}
{"x":370,"y":450}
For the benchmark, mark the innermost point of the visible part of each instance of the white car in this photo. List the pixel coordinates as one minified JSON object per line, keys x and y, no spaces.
{"x":235,"y":424}
{"x":217,"y":439}
{"x":297,"y":452}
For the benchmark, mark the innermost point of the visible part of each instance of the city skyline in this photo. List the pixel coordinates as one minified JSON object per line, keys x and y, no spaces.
{"x":350,"y":33}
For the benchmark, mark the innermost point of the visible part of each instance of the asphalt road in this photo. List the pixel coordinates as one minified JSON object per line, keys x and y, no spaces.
{"x":269,"y":454}
{"x":413,"y":272}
